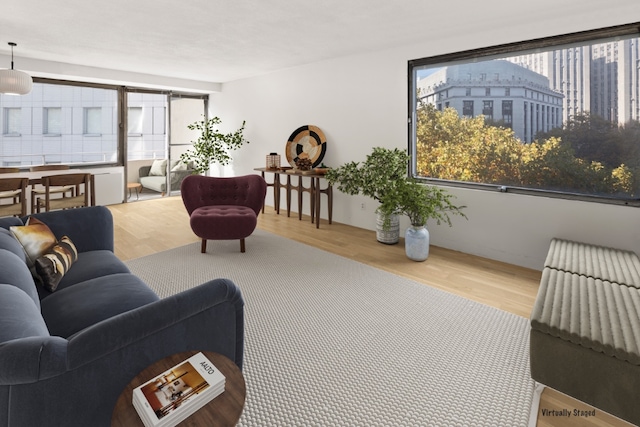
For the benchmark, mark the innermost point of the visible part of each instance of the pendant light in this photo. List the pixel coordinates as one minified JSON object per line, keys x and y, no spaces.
{"x":14,"y":82}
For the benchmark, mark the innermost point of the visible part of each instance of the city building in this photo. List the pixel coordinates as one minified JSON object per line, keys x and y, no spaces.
{"x":601,"y":79}
{"x":504,"y":93}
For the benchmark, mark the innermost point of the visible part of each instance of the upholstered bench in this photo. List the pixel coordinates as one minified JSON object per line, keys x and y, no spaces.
{"x":585,"y":326}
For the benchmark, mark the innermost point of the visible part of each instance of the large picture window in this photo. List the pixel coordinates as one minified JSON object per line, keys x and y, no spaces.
{"x":60,"y":123}
{"x":556,"y":116}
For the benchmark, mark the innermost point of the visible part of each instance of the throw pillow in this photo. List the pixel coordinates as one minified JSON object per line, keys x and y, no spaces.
{"x":158,"y":168}
{"x":54,"y":264}
{"x":35,"y":237}
{"x":180,"y":166}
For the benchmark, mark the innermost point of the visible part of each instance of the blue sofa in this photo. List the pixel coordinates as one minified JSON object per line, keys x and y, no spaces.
{"x":65,"y":356}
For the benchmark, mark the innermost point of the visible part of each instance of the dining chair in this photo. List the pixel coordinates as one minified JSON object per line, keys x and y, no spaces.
{"x":15,"y":190}
{"x":38,"y":191}
{"x":9,"y":170}
{"x":49,"y":167}
{"x":82,"y":192}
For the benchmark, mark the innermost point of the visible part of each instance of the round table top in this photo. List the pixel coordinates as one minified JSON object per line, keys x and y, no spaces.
{"x":224,"y":410}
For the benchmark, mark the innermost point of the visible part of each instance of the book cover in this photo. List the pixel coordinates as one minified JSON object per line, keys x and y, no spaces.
{"x":178,"y":392}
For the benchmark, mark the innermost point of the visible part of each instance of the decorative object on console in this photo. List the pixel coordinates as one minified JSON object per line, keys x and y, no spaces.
{"x":306,"y":142}
{"x":14,"y":82}
{"x":273,"y":161}
{"x":322,"y":169}
{"x":212,"y":146}
{"x":303,"y":164}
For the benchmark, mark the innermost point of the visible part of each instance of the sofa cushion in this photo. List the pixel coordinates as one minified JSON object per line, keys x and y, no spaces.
{"x":13,"y":271}
{"x":158,"y":168}
{"x":19,"y":316}
{"x":10,"y":243}
{"x":55,"y":263}
{"x":178,"y":165}
{"x":89,"y":265}
{"x":77,"y":307}
{"x":35,"y":237}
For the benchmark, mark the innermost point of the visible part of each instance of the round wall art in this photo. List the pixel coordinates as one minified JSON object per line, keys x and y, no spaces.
{"x":306,"y":142}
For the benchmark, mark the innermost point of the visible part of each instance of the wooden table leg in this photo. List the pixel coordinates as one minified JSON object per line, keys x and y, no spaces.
{"x":288,"y":196}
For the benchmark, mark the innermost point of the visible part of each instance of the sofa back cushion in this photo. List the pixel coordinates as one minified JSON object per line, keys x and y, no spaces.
{"x":10,"y":243}
{"x":14,"y":272}
{"x":19,"y":316}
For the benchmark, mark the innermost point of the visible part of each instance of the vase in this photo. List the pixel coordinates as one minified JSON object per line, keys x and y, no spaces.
{"x":416,"y":242}
{"x":391,"y":234}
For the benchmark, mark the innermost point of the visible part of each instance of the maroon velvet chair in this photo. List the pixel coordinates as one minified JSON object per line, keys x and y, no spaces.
{"x":223,"y":208}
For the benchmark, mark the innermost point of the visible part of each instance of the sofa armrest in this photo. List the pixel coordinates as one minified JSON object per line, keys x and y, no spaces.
{"x":207,"y":317}
{"x":28,"y":360}
{"x":89,"y":228}
{"x":144,"y":171}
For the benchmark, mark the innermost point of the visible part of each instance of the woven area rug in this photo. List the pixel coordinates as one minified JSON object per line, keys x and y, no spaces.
{"x":333,"y":342}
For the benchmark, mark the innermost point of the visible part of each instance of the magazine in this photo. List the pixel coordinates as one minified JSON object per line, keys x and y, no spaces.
{"x":175,"y":394}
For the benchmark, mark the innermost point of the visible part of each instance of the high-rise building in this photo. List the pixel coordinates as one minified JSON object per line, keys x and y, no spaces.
{"x":601,"y":79}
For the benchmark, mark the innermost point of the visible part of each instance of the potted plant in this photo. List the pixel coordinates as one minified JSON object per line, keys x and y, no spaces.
{"x":420,"y":203}
{"x":377,"y":177}
{"x":212,"y":146}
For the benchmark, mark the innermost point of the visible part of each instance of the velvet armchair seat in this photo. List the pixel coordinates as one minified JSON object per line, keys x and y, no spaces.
{"x":223,"y":208}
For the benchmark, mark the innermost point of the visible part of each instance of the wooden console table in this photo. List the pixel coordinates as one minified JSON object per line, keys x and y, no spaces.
{"x":223,"y":410}
{"x":314,"y":190}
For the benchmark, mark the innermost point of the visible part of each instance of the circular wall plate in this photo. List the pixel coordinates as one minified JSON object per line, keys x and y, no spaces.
{"x":306,"y":142}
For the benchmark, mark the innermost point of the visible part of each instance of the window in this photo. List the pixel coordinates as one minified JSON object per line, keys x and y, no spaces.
{"x":85,"y":119}
{"x":467,"y":108}
{"x":60,"y":122}
{"x":52,"y":121}
{"x":507,"y":113}
{"x":487,"y":110}
{"x":12,"y":118}
{"x":134,"y":120}
{"x":567,"y":131}
{"x":92,"y":121}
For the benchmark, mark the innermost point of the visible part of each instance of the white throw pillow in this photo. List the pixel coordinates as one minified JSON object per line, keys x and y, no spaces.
{"x":180,"y":166}
{"x":158,"y":168}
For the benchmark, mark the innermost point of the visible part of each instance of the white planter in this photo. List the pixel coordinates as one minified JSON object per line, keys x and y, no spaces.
{"x":391,"y":235}
{"x":416,"y":243}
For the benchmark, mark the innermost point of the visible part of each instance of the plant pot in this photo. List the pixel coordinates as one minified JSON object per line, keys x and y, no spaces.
{"x":416,"y":243}
{"x":390,"y":235}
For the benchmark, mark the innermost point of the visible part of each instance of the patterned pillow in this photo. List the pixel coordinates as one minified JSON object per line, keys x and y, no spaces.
{"x":52,"y":265}
{"x":35,"y":237}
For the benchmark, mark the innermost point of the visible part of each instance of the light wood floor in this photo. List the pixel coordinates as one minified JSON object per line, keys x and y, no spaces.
{"x":146,"y":227}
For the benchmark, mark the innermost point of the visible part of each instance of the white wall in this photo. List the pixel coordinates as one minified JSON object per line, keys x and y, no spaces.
{"x":361,"y":102}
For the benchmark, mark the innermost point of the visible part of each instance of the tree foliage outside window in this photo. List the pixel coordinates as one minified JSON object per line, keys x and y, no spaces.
{"x":547,"y":135}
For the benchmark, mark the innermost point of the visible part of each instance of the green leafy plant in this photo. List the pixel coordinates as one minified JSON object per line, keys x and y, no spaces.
{"x":383,"y":177}
{"x":377,"y":177}
{"x":422,"y":202}
{"x":212,"y":146}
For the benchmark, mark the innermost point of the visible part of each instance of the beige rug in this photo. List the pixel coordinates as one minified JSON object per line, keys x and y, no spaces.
{"x":333,"y":342}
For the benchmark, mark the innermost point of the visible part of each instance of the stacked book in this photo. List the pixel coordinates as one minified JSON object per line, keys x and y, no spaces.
{"x":172,"y":396}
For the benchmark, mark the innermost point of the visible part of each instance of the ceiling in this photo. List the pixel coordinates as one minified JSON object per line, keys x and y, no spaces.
{"x":224,"y":40}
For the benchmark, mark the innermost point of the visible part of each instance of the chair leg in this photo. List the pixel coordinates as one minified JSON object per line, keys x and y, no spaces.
{"x":242,"y":245}
{"x":203,"y":247}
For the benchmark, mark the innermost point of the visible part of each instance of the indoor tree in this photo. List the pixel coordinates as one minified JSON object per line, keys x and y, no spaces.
{"x":212,"y":146}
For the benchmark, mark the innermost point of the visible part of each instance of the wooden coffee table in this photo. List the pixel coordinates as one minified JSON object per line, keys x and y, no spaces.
{"x":224,"y":410}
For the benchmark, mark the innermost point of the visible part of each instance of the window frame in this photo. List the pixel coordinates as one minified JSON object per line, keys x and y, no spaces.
{"x":121,"y":118}
{"x":627,"y":31}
